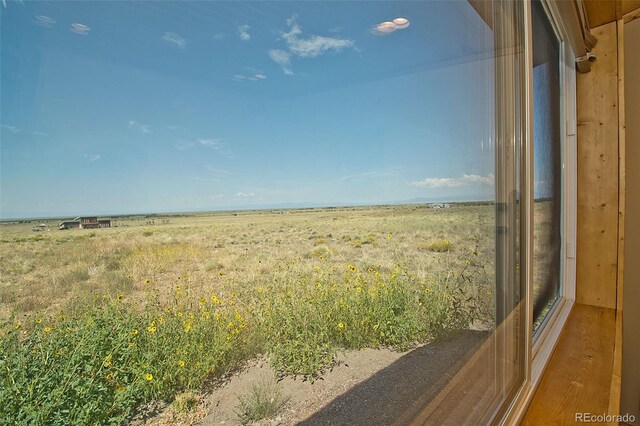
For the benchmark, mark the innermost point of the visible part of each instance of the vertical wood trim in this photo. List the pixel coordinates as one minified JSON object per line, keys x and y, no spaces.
{"x":597,"y":113}
{"x":616,"y":376}
{"x":621,"y":166}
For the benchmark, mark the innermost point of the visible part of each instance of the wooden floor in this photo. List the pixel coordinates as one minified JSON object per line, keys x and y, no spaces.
{"x":578,"y":377}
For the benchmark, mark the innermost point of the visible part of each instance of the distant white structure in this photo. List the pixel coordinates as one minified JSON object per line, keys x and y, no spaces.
{"x":439,"y":205}
{"x":88,"y":222}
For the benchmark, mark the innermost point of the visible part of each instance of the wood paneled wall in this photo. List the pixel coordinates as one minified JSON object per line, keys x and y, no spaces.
{"x":597,"y":237}
{"x":601,"y":12}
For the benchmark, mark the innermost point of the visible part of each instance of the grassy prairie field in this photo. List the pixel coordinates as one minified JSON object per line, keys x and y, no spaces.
{"x":95,"y":322}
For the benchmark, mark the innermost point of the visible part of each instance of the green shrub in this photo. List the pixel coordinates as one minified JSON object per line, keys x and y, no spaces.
{"x":439,"y":246}
{"x":95,"y":363}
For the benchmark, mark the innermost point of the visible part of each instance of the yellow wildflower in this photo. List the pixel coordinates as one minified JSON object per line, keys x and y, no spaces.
{"x":134,"y":332}
{"x":151,"y":329}
{"x":47,"y":329}
{"x":340,"y":325}
{"x":181,"y":363}
{"x":148,"y":377}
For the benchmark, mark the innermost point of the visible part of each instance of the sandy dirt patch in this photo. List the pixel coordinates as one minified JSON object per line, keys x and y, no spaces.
{"x":303,"y":398}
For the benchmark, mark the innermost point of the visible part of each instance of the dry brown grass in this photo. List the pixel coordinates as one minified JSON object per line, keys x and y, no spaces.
{"x":209,"y":252}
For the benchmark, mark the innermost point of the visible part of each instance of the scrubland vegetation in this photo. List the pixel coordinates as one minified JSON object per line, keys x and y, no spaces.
{"x":96,"y":322}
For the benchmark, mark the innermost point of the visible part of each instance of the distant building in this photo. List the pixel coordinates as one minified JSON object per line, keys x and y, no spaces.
{"x":39,"y":228}
{"x":69,"y":224}
{"x":87,"y":222}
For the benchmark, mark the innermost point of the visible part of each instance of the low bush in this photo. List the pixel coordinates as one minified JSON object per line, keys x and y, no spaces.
{"x":263,"y":401}
{"x":439,"y":246}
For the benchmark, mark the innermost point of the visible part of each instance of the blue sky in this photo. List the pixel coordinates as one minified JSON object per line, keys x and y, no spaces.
{"x":128,"y":107}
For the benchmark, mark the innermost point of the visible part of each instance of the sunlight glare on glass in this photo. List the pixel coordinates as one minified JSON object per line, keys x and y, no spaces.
{"x":388,"y":27}
{"x":401,"y":23}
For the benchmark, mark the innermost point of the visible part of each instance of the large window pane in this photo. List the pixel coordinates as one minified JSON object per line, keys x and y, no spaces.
{"x":547,"y":163}
{"x":188,"y":187}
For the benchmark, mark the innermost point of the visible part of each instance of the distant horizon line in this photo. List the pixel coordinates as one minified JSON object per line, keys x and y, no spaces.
{"x":279,"y":206}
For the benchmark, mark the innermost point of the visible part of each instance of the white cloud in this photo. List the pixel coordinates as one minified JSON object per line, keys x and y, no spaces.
{"x":243,"y":32}
{"x":314,"y":45}
{"x":174,"y":38}
{"x":81,"y":29}
{"x":91,"y":157}
{"x":12,"y":129}
{"x":45,"y":21}
{"x":447,"y":182}
{"x":142,"y":128}
{"x":206,"y":179}
{"x":282,"y":58}
{"x":255,"y":77}
{"x":305,"y":47}
{"x":245,"y":194}
{"x":215,"y":143}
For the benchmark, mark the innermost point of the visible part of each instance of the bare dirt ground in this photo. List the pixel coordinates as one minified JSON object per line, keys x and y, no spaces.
{"x":304,"y":398}
{"x":369,"y":386}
